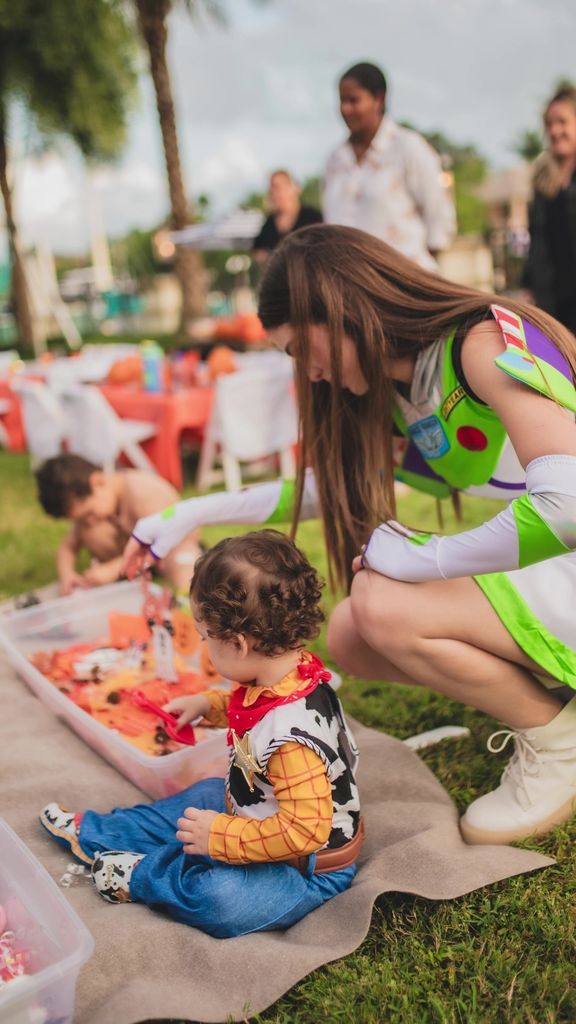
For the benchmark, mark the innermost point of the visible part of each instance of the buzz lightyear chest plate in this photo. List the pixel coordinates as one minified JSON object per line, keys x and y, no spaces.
{"x":450,"y":441}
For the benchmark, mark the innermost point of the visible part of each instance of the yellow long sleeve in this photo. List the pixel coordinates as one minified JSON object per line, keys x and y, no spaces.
{"x":302,"y":824}
{"x":218,"y":713}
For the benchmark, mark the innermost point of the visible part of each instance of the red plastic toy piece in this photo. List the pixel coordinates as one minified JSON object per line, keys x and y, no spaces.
{"x":183,"y":735}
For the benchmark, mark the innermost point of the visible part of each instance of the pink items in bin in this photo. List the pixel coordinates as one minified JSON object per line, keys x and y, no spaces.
{"x":84,"y":618}
{"x":14,"y":957}
{"x":43,"y":943}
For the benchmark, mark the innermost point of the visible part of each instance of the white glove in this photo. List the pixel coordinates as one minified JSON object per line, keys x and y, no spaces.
{"x":265,"y":503}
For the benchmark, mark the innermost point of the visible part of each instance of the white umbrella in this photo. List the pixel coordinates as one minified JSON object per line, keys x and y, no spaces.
{"x":236,"y":230}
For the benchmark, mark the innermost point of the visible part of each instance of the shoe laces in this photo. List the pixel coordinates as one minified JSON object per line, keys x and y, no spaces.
{"x":525,"y":761}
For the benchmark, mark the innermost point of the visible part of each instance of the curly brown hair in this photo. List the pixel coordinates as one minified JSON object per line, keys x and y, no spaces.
{"x":261,"y":586}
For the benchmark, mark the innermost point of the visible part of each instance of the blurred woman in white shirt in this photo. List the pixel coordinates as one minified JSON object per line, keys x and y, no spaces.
{"x":386,"y":179}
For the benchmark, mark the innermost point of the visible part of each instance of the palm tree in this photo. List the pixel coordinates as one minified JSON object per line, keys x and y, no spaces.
{"x":20,"y":303}
{"x":528,"y":145}
{"x":152,"y":21}
{"x":74,"y":71}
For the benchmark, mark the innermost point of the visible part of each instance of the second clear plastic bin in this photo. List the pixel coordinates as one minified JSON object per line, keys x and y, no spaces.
{"x":83,"y":618}
{"x":55,"y":940}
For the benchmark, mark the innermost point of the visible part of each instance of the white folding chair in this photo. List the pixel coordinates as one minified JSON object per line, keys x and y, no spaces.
{"x":253,"y":417}
{"x":97,"y":433}
{"x":7,"y":357}
{"x":44,"y":423}
{"x":90,"y":366}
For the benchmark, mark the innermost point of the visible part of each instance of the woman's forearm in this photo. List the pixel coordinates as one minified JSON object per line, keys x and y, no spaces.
{"x":265,"y":503}
{"x":539,"y":525}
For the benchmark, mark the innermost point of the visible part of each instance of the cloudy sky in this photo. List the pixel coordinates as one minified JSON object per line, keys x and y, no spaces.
{"x":261,"y":93}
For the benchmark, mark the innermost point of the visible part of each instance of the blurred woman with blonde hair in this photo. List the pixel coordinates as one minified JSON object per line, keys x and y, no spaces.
{"x":287,"y":214}
{"x":550,"y":273}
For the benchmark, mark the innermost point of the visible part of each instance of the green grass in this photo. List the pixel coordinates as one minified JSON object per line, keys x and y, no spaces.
{"x":505,"y":954}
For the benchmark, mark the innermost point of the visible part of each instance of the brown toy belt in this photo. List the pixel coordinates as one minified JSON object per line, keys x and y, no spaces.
{"x":333,"y":860}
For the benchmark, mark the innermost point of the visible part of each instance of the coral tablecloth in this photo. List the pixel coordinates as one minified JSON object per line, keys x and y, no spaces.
{"x":172,"y":413}
{"x":11,"y":419}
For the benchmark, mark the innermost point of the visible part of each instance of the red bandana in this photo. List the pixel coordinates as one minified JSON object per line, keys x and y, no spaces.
{"x":243,"y":719}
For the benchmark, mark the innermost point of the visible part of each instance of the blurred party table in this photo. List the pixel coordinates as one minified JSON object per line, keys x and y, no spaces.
{"x":11,"y":417}
{"x":172,"y":413}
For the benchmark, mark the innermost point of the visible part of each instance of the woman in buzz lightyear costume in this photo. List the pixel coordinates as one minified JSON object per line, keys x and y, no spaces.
{"x":401,"y":374}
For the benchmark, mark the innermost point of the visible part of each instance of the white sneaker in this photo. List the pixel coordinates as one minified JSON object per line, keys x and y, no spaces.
{"x":538,"y":787}
{"x":111,"y":874}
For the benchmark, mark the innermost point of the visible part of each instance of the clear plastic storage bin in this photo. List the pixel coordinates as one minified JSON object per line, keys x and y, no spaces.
{"x":83,"y":618}
{"x":57,"y":942}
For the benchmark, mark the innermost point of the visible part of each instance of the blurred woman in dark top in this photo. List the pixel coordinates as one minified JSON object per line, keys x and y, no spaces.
{"x":550,"y":272}
{"x":287,"y":214}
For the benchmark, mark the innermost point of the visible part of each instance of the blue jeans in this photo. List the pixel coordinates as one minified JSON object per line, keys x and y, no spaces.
{"x":221,"y":899}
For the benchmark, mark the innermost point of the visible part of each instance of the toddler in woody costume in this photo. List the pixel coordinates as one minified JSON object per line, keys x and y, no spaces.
{"x":280,"y":835}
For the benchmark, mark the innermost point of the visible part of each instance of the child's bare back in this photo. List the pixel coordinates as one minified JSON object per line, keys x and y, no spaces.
{"x":103,"y":509}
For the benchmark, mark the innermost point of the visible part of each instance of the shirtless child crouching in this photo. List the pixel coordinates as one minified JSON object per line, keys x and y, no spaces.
{"x":103,"y":508}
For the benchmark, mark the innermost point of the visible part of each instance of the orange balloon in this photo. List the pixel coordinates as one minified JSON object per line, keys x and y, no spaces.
{"x":126,"y":371}
{"x":221,"y":360}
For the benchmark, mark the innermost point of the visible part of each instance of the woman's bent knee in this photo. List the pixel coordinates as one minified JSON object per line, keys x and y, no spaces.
{"x":346,"y":646}
{"x":378,"y":609}
{"x":369,"y":598}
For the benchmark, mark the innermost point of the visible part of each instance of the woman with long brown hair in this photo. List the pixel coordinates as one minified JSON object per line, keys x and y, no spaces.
{"x":401,"y":374}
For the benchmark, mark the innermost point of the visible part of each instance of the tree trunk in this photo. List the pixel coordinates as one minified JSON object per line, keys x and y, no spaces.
{"x":22,"y":314}
{"x":152,"y":15}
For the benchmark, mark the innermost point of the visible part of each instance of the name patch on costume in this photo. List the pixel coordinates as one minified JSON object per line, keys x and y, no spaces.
{"x":450,"y":403}
{"x":429,"y":437}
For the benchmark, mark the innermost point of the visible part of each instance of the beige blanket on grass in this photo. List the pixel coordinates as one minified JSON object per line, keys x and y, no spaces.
{"x":146,"y":966}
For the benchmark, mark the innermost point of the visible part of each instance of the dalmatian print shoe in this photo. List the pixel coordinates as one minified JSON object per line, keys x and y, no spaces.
{"x":63,"y":826}
{"x":111,"y":874}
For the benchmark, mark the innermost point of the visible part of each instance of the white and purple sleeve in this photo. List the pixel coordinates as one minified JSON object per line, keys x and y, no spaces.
{"x":268,"y":504}
{"x":539,"y":525}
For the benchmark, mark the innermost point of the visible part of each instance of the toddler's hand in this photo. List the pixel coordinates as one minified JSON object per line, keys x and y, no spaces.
{"x":187,"y":708}
{"x":194,"y":830}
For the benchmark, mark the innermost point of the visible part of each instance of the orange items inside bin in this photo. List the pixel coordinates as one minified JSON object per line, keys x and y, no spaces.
{"x":99,"y":678}
{"x":127,"y":629}
{"x":186,"y":637}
